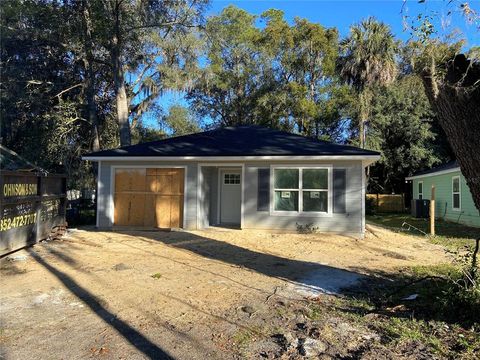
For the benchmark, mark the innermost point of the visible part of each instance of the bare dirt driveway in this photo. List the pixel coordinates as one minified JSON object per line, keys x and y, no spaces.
{"x":183,"y":295}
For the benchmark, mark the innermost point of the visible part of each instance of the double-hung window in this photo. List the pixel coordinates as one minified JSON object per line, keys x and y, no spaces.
{"x":301,"y":189}
{"x":456,"y":202}
{"x":420,"y":190}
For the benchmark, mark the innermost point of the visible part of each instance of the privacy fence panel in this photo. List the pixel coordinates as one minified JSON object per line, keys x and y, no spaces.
{"x":32,"y":207}
{"x":386,"y":203}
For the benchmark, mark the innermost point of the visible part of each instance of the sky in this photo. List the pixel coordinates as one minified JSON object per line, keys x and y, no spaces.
{"x":343,"y":13}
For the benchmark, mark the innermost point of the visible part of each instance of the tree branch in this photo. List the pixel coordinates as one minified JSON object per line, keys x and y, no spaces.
{"x":160,"y":25}
{"x":67,"y":90}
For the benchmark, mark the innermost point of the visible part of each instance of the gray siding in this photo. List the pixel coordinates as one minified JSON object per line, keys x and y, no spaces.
{"x":214,"y":196}
{"x":349,"y":222}
{"x":206,"y":193}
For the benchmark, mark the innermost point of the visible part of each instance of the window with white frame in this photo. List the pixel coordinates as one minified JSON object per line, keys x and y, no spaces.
{"x":456,"y":202}
{"x":300,"y":189}
{"x":420,"y":190}
{"x":231,"y":179}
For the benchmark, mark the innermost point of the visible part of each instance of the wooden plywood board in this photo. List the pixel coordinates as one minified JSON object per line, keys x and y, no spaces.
{"x":151,"y":172}
{"x":149,"y":197}
{"x":178,"y":182}
{"x":137,"y":210}
{"x":130,"y":180}
{"x":162,"y":211}
{"x":122,"y":206}
{"x":176,"y":211}
{"x":164,"y":184}
{"x":151,"y":183}
{"x":149,"y":215}
{"x":129,"y":209}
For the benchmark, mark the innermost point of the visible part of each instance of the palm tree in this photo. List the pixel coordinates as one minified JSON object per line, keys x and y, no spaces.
{"x":367,"y":60}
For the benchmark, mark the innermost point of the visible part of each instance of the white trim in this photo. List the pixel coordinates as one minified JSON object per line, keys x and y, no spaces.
{"x":99,"y":186}
{"x":364,"y":192}
{"x":242,"y":197}
{"x":111,"y":208}
{"x":219,"y":185}
{"x":199,"y":194}
{"x":112,"y":185}
{"x":300,"y":212}
{"x":370,"y":158}
{"x":441,"y":172}
{"x":459,"y":193}
{"x":418,"y":192}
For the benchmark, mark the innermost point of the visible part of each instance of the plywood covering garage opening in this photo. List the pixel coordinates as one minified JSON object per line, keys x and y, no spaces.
{"x":149,"y":197}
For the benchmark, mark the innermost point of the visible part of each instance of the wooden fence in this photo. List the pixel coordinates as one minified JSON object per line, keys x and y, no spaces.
{"x":32,"y":207}
{"x":386,"y":203}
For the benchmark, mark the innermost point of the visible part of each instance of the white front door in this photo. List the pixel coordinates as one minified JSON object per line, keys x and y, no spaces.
{"x":230,"y":196}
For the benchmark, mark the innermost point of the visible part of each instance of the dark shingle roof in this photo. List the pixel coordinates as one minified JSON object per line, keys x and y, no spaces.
{"x":235,"y":141}
{"x":447,"y":166}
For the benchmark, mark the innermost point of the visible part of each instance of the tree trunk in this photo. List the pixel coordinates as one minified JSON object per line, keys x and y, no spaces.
{"x":121,"y":98}
{"x":122,"y":107}
{"x":456,"y":100}
{"x":363,"y":117}
{"x":361,"y":131}
{"x":90,"y":77}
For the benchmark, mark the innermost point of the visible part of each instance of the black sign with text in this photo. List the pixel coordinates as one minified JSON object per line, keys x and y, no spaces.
{"x":30,"y":206}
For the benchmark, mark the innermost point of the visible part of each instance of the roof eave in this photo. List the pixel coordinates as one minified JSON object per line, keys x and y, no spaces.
{"x":440,"y":172}
{"x":367,"y":158}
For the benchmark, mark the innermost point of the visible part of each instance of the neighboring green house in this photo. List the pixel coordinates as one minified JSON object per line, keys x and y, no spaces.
{"x":453,"y":200}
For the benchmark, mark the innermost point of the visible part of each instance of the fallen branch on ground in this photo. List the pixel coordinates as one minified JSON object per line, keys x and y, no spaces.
{"x":411,"y":226}
{"x":271,"y":295}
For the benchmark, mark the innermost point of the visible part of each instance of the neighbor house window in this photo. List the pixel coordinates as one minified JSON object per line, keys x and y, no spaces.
{"x":456,"y":193}
{"x":301,"y":189}
{"x":420,"y":190}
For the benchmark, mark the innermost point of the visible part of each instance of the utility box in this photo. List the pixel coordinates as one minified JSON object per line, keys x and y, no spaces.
{"x":420,"y":208}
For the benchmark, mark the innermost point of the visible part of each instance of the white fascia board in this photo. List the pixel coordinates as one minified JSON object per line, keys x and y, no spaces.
{"x":441,"y":172}
{"x":368,"y":158}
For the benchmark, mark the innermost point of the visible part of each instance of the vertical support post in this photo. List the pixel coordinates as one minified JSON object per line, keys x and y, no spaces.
{"x":41,"y":180}
{"x":1,"y":197}
{"x":432,"y":212}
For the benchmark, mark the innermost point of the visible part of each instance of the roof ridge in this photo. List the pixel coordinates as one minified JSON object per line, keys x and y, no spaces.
{"x":165,"y":139}
{"x":238,"y":140}
{"x":452,"y":164}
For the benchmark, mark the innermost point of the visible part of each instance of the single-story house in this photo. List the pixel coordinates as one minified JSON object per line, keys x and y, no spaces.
{"x":453,"y":199}
{"x":245,"y":176}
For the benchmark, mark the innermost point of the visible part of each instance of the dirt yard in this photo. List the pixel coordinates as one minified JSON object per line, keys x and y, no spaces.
{"x":187,"y":295}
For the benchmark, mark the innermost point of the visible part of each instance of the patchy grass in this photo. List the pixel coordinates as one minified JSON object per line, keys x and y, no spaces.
{"x":398,"y":331}
{"x":451,"y":235}
{"x":442,"y":295}
{"x":315,"y":312}
{"x":445,"y":317}
{"x":406,"y":327}
{"x":156,"y":276}
{"x":439,"y":338}
{"x":242,"y":338}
